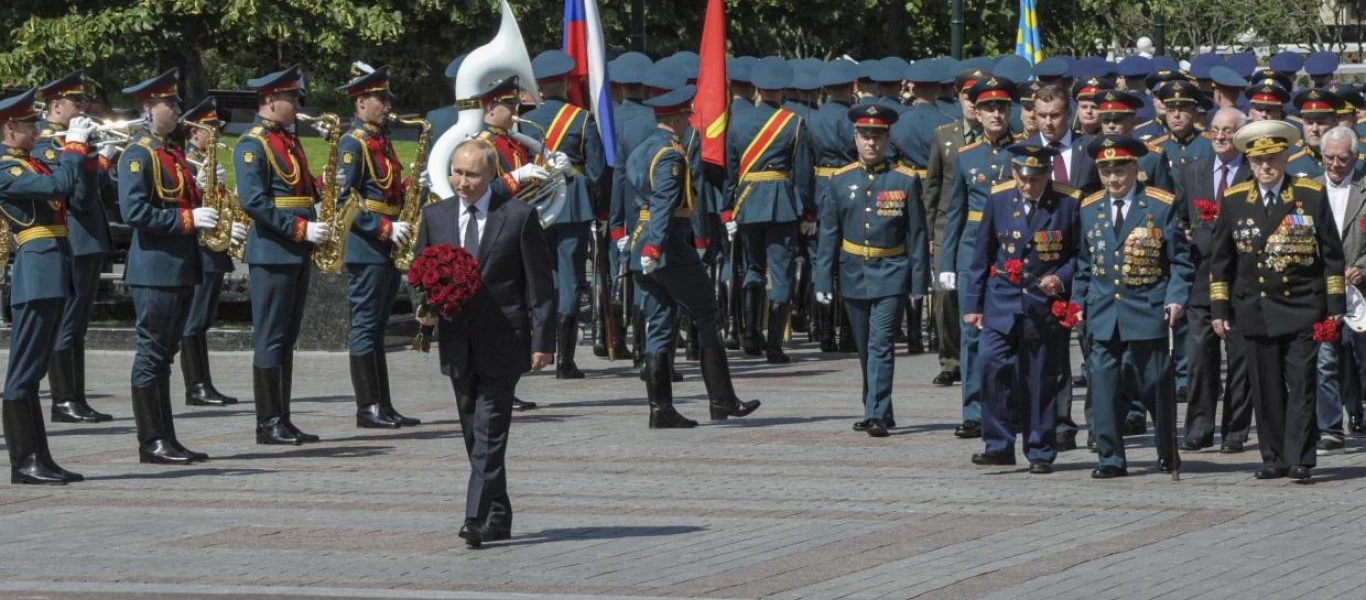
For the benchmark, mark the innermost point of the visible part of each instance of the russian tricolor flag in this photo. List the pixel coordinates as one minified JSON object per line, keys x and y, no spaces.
{"x":583,"y":41}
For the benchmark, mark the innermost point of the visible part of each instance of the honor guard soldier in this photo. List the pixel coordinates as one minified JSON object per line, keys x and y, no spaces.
{"x":882,"y":240}
{"x":914,"y":135}
{"x":1278,"y":277}
{"x":369,"y":167}
{"x":665,"y":265}
{"x":769,"y":202}
{"x":194,"y":346}
{"x":88,"y":237}
{"x":633,"y":122}
{"x":564,"y":127}
{"x":277,"y":190}
{"x":1318,"y":113}
{"x":832,"y":138}
{"x":1132,"y":279}
{"x":1117,"y":116}
{"x":980,"y":166}
{"x":1021,"y":267}
{"x":1183,"y":142}
{"x":161,"y":202}
{"x":33,"y":201}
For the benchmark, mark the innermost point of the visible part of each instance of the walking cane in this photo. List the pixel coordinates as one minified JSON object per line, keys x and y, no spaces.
{"x":1169,"y":422}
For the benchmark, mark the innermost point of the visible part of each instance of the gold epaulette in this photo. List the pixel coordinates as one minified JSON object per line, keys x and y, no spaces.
{"x":950,"y":125}
{"x":910,"y":171}
{"x":1019,"y":137}
{"x":257,"y":130}
{"x":1308,"y":184}
{"x":358,"y":134}
{"x":1155,"y":146}
{"x":847,"y":168}
{"x":962,"y":149}
{"x":1296,"y":118}
{"x":1093,"y":198}
{"x":1143,"y":124}
{"x":1004,"y":186}
{"x":1159,"y":140}
{"x":1160,"y":195}
{"x":485,"y":135}
{"x":1299,"y":154}
{"x":1239,"y":187}
{"x":1066,"y":190}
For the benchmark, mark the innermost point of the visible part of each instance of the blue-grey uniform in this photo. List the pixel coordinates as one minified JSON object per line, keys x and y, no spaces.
{"x":277,"y":190}
{"x":832,"y":144}
{"x":1023,"y":348}
{"x":214,"y":265}
{"x":1305,"y":162}
{"x":88,"y":236}
{"x":873,"y":220}
{"x":33,"y":200}
{"x":913,"y":133}
{"x":1182,"y":150}
{"x":1134,"y":261}
{"x":665,"y":264}
{"x":157,"y":197}
{"x":1121,"y":108}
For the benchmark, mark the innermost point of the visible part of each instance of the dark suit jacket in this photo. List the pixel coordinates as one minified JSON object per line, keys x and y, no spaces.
{"x":1081,"y":170}
{"x":1196,"y":182}
{"x":513,"y":315}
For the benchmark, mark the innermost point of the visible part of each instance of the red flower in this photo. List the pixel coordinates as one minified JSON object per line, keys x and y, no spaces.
{"x":992,"y":270}
{"x":1068,"y":314}
{"x":1013,"y":268}
{"x":445,"y":277}
{"x":1363,"y":223}
{"x":1209,"y":210}
{"x":1059,"y":309}
{"x":1326,"y":331}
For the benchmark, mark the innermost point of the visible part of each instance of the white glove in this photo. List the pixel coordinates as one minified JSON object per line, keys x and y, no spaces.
{"x":824,"y":297}
{"x":948,"y":281}
{"x":808,"y":228}
{"x":341,"y":178}
{"x":732,"y":227}
{"x":648,"y":265}
{"x":317,"y":233}
{"x":79,"y":130}
{"x":621,"y":244}
{"x":424,"y":181}
{"x":201,"y":180}
{"x":110,"y":151}
{"x":526,"y":173}
{"x":400,"y":232}
{"x":222,"y":173}
{"x":239,"y":233}
{"x":205,"y":218}
{"x":559,"y":161}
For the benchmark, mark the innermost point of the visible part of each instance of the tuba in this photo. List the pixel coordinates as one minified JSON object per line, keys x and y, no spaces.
{"x":328,"y":256}
{"x":215,"y":196}
{"x":548,"y":195}
{"x":504,"y":56}
{"x":415,"y":197}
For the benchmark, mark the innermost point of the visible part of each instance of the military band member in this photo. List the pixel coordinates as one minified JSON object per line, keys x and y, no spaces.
{"x":161,"y":202}
{"x":33,"y":201}
{"x":979,"y":167}
{"x":1133,"y":277}
{"x":194,"y":346}
{"x":832,"y":138}
{"x":1277,"y":272}
{"x":369,"y":166}
{"x":882,"y":237}
{"x":277,"y":191}
{"x":88,"y":237}
{"x":769,"y":201}
{"x":1024,"y":259}
{"x":665,"y":265}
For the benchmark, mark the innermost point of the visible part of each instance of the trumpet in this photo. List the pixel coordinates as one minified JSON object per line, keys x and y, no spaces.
{"x":119,"y":131}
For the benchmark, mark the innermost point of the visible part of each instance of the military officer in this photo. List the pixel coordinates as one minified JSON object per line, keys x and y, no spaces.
{"x":769,"y":202}
{"x":276,"y":191}
{"x":1084,"y":93}
{"x":1157,"y":126}
{"x":1318,"y":113}
{"x":665,"y":265}
{"x":1277,"y":275}
{"x":88,"y":237}
{"x":33,"y":202}
{"x":1183,"y":143}
{"x":1029,"y":124}
{"x":1117,"y":116}
{"x":1266,"y":100}
{"x":160,"y":201}
{"x":980,"y":166}
{"x":832,"y":143}
{"x":194,"y":347}
{"x":881,"y":233}
{"x":1132,"y":279}
{"x":1025,"y":255}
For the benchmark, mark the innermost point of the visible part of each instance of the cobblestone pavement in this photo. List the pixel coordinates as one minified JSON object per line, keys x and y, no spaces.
{"x":788,"y":503}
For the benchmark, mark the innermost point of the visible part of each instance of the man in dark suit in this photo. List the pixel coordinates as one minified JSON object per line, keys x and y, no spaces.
{"x":504,"y":331}
{"x":1200,"y":187}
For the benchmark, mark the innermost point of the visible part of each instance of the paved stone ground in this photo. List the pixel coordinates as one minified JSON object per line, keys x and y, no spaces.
{"x":786,"y":504}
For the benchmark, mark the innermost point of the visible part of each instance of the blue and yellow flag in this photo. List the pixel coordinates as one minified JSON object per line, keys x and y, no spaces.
{"x":1027,"y":42}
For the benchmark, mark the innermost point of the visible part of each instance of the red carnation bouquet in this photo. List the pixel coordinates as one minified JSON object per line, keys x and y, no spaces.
{"x":443,"y":278}
{"x":1208,"y":209}
{"x":1326,"y":331}
{"x":1067,"y":313}
{"x":1363,"y":223}
{"x":1013,"y":269}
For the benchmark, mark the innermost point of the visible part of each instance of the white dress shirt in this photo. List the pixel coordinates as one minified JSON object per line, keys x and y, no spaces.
{"x":1262,"y":191}
{"x":1233,"y":165}
{"x":481,"y":214}
{"x":1128,"y":204}
{"x":1337,"y":198}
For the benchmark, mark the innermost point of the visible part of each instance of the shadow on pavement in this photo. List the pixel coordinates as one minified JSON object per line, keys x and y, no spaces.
{"x":322,"y":451}
{"x":100,"y":430}
{"x":178,"y":474}
{"x":597,"y":533}
{"x":758,"y":421}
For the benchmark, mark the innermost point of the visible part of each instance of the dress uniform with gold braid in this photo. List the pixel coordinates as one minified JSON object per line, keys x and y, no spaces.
{"x":33,"y":202}
{"x":161,"y":202}
{"x":1181,"y":151}
{"x":368,"y":166}
{"x":88,"y":236}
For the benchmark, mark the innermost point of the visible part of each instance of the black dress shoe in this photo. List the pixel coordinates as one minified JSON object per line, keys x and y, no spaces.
{"x":861,"y":425}
{"x":1166,"y":465}
{"x":163,"y":452}
{"x":877,"y":429}
{"x":983,"y":458}
{"x":944,"y":378}
{"x":1299,"y":474}
{"x":1231,"y":448}
{"x":402,"y":420}
{"x":1109,"y":473}
{"x":304,"y":438}
{"x":1079,"y":381}
{"x":968,"y":430}
{"x":520,"y":404}
{"x":1271,"y":473}
{"x":77,"y":411}
{"x":371,"y":416}
{"x":776,"y":357}
{"x":1091,"y":441}
{"x":1193,"y":446}
{"x":1135,"y":427}
{"x":668,"y":418}
{"x":1181,"y":394}
{"x":274,"y":433}
{"x":1066,"y":441}
{"x":472,"y":533}
{"x":1040,"y":468}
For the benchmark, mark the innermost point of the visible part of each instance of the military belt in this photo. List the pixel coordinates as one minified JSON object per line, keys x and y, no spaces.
{"x":871,"y":252}
{"x":679,"y":213}
{"x":758,"y":176}
{"x":41,"y":232}
{"x":390,"y":210}
{"x":293,"y":202}
{"x":826,"y":171}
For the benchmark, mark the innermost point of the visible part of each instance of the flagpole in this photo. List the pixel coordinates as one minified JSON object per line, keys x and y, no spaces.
{"x":956,"y":29}
{"x":638,"y":25}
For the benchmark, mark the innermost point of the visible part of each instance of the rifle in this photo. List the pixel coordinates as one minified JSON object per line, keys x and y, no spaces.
{"x":602,"y":295}
{"x":737,"y":279}
{"x":1166,"y":410}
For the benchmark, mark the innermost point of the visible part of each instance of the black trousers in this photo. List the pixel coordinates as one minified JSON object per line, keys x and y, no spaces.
{"x":1282,"y":373}
{"x":1206,"y":350}
{"x":485,"y":406}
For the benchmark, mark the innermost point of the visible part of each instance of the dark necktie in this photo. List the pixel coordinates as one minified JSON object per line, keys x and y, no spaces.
{"x":1223,"y":182}
{"x":1059,"y":169}
{"x":471,"y":238}
{"x":1268,"y":200}
{"x":1119,"y":216}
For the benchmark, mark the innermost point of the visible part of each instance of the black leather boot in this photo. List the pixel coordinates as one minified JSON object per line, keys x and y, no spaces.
{"x":720,"y":390}
{"x":154,"y":445}
{"x":369,"y":411}
{"x":168,"y":417}
{"x":753,"y":343}
{"x":778,"y":313}
{"x":286,"y":397}
{"x":659,"y":385}
{"x":619,"y":349}
{"x":637,"y":336}
{"x":68,"y":401}
{"x":567,"y":340}
{"x":22,"y":421}
{"x":270,"y":428}
{"x":846,"y":342}
{"x":386,"y":401}
{"x":44,"y":452}
{"x":690,"y":349}
{"x":730,"y":327}
{"x":194,"y":365}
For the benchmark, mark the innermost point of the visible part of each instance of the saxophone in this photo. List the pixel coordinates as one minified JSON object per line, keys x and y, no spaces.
{"x":328,"y":256}
{"x":415,"y":197}
{"x":220,"y":237}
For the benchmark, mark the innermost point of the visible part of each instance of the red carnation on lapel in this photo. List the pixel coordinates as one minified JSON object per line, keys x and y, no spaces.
{"x":1363,"y":223}
{"x":1013,"y":270}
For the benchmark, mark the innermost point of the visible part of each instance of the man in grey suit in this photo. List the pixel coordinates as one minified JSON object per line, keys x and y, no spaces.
{"x":1339,"y":383}
{"x":507,"y":329}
